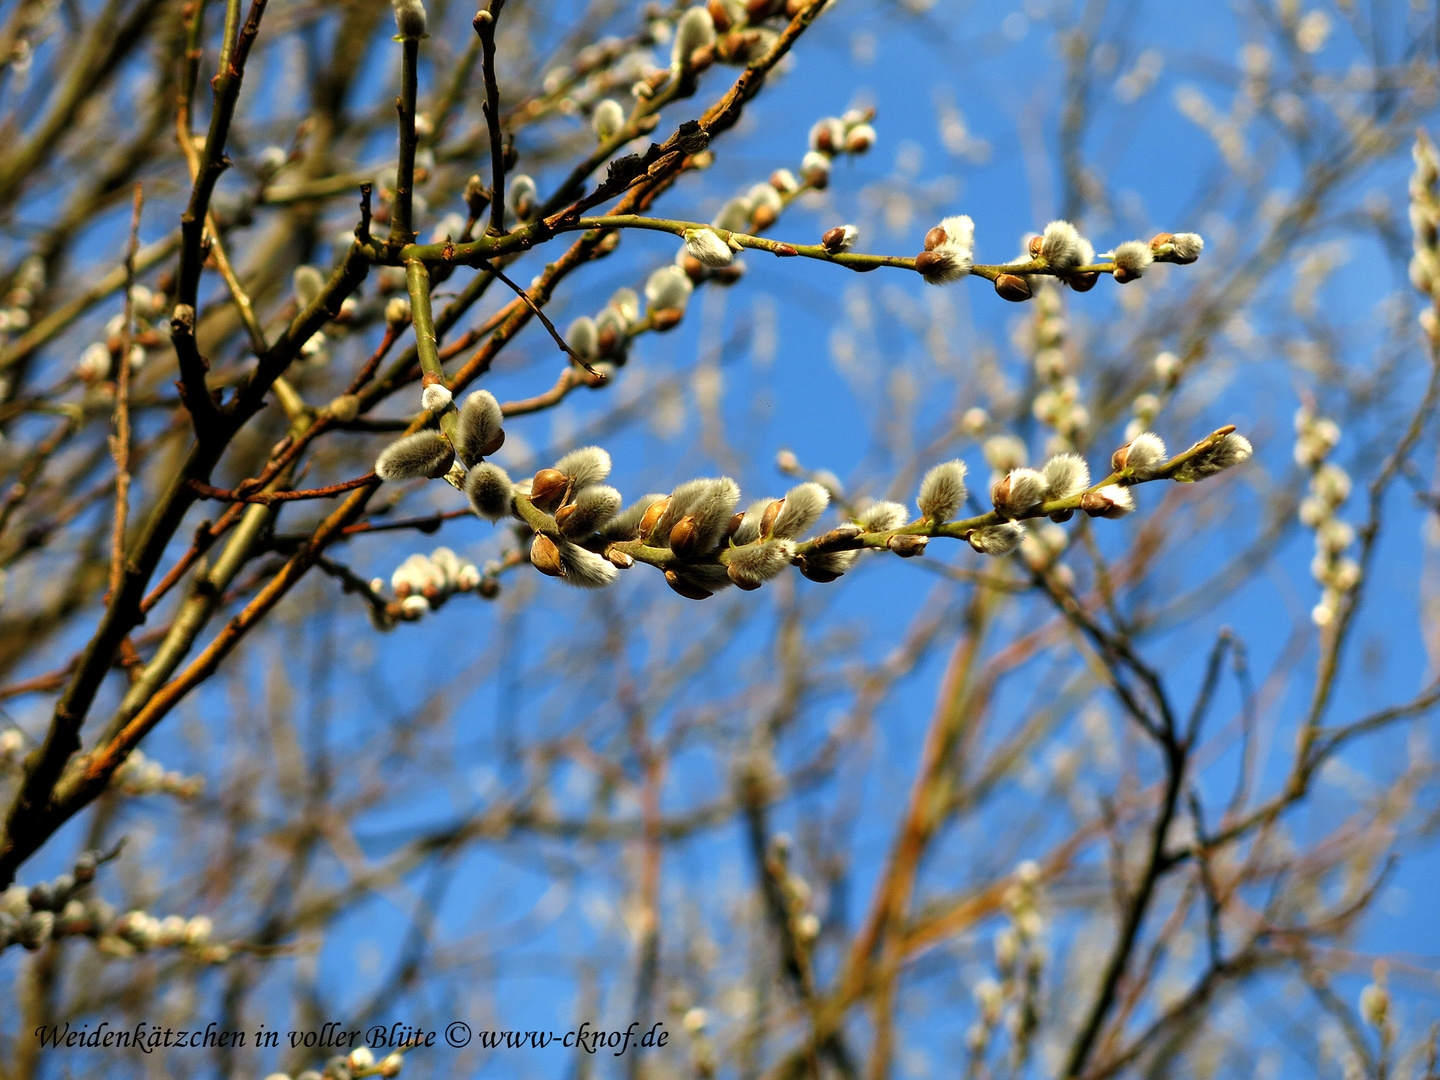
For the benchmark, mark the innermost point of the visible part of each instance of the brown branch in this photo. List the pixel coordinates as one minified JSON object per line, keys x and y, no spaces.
{"x":120,"y":443}
{"x":268,"y":497}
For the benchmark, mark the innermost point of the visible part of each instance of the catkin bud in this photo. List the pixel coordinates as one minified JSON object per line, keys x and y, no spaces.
{"x":1020,"y":491}
{"x":907,"y":545}
{"x":815,"y":170}
{"x":942,"y":491}
{"x":1188,"y":247}
{"x":943,"y":265}
{"x":695,"y":30}
{"x":883,"y":516}
{"x":840,"y":238}
{"x":584,"y":337}
{"x":397,"y":312}
{"x":545,"y":555}
{"x":609,"y":118}
{"x":799,"y":510}
{"x":410,"y":20}
{"x":668,"y":288}
{"x":1131,"y":259}
{"x":585,"y":466}
{"x":686,"y":588}
{"x":423,"y":454}
{"x":1143,"y":455}
{"x":997,"y":539}
{"x":705,"y":246}
{"x":436,"y":398}
{"x":593,"y":507}
{"x":478,"y":430}
{"x":1111,"y":501}
{"x":1228,"y":452}
{"x":1013,"y":288}
{"x":859,"y":139}
{"x":753,"y":564}
{"x":1065,"y":475}
{"x":827,"y":136}
{"x":489,"y":490}
{"x":1061,"y":245}
{"x":548,"y":487}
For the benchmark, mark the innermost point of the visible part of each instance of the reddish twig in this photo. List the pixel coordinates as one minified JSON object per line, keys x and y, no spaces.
{"x":267,"y":497}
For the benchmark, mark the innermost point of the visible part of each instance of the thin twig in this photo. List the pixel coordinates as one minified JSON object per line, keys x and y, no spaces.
{"x":485,"y":27}
{"x":120,"y":442}
{"x":268,"y":497}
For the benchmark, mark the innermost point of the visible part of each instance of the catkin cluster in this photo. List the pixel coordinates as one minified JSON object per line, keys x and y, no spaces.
{"x":1315,"y":437}
{"x":360,"y":1062}
{"x":31,"y":917}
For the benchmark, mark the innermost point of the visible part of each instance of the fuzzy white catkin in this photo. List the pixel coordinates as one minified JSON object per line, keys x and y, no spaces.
{"x":1004,"y":452}
{"x":1188,"y":245}
{"x":953,"y":264}
{"x":423,"y":454}
{"x":584,"y":569}
{"x":1060,"y":246}
{"x":815,"y":168}
{"x":749,"y":528}
{"x":706,"y":246}
{"x":585,"y":466}
{"x":608,"y":118}
{"x":397,"y":311}
{"x":1119,"y":501}
{"x":624,"y":525}
{"x":436,"y":398}
{"x":308,"y":284}
{"x":997,"y":539}
{"x":959,"y":233}
{"x":489,"y":490}
{"x":1019,"y":491}
{"x":942,"y":491}
{"x":1231,"y":450}
{"x":1330,"y":482}
{"x":683,"y":501}
{"x":735,"y":214}
{"x":859,"y":139}
{"x":625,"y":302}
{"x":883,"y":516}
{"x":1145,"y":454}
{"x":827,"y":135}
{"x":761,"y":562}
{"x":583,"y":337}
{"x":834,"y":562}
{"x":804,"y":504}
{"x":479,"y":422}
{"x":848,"y":235}
{"x":1133,"y":257}
{"x":695,"y":30}
{"x":594,"y":506}
{"x":410,"y":20}
{"x":713,"y":510}
{"x":764,"y":196}
{"x":1066,"y":475}
{"x":668,"y":287}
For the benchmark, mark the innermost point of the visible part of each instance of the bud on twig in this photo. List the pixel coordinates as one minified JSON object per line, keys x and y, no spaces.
{"x":906,"y":545}
{"x":839,"y":239}
{"x":410,"y":20}
{"x":423,"y":454}
{"x":1013,"y":288}
{"x":545,"y":555}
